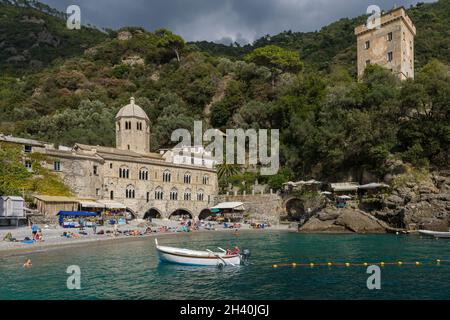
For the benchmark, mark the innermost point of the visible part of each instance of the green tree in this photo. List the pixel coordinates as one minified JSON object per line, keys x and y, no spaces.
{"x":277,"y":59}
{"x":170,"y":41}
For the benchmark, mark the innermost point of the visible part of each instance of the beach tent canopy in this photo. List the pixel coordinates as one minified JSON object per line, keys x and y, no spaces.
{"x":344,"y":197}
{"x":91,"y":204}
{"x":373,"y":186}
{"x":77,"y":214}
{"x":228,"y":205}
{"x":344,"y":186}
{"x":109,"y":204}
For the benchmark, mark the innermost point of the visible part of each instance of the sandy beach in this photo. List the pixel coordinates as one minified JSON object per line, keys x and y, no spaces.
{"x":53,"y":239}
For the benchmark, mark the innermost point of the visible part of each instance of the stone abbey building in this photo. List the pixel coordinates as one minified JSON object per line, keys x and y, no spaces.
{"x":390,"y":44}
{"x":148,"y":184}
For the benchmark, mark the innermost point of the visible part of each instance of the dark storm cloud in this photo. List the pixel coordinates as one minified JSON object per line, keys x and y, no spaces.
{"x":224,"y":21}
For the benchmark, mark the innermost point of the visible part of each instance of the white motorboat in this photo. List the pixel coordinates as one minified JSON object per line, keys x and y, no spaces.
{"x":436,"y":234}
{"x":200,"y":258}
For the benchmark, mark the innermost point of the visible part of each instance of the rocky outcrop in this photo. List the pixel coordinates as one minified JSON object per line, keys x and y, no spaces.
{"x":344,"y":220}
{"x":423,"y":204}
{"x":133,"y":60}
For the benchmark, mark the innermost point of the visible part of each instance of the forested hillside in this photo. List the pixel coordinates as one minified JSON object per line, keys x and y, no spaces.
{"x":331,"y":124}
{"x":335,"y":44}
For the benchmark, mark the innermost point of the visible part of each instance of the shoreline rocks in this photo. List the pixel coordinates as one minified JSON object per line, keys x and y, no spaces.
{"x":343,"y":220}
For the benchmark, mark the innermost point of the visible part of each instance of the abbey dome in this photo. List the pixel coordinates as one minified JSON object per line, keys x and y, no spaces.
{"x":132,"y":110}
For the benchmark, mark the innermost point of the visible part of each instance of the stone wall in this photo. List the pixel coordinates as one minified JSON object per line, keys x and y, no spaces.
{"x":259,"y":206}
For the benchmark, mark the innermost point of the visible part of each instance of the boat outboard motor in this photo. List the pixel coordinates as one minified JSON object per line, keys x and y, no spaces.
{"x":245,"y":255}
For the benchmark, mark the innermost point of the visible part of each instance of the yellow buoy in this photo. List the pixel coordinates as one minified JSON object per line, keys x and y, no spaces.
{"x":275,"y":266}
{"x":382,"y":263}
{"x":365,"y":264}
{"x":311,"y":264}
{"x":417,"y":263}
{"x":347,"y":264}
{"x":438,"y":261}
{"x":329,"y":264}
{"x":400,"y":263}
{"x":294,"y":264}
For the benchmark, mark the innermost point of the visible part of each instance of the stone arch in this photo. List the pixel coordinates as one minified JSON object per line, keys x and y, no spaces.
{"x":153,"y":213}
{"x":294,"y":209}
{"x":131,"y":212}
{"x":205,"y":213}
{"x":181,"y":212}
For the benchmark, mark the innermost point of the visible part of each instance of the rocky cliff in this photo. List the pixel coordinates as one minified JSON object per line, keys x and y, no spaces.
{"x":416,"y":201}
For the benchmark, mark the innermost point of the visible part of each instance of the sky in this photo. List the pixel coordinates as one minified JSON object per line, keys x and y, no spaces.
{"x":222,"y":21}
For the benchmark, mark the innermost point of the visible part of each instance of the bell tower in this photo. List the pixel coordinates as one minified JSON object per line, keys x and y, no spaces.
{"x":133,"y":129}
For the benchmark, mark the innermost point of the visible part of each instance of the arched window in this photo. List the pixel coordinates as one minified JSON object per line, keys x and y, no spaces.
{"x":130,"y":193}
{"x":143,"y":174}
{"x":187,"y":194}
{"x":124,"y":172}
{"x":205,"y":179}
{"x":159,"y":193}
{"x":200,"y":195}
{"x":174,"y":194}
{"x":187,"y":177}
{"x":167,"y":176}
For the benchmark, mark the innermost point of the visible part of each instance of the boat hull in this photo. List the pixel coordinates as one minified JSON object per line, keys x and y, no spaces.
{"x":186,"y":259}
{"x":436,"y":234}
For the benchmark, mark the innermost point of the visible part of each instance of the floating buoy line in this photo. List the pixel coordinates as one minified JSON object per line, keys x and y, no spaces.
{"x":437,"y":262}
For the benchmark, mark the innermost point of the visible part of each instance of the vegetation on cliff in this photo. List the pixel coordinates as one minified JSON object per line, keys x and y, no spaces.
{"x":301,"y":83}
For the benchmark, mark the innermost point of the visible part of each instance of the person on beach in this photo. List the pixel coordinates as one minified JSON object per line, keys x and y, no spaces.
{"x":34,"y":230}
{"x":94,"y":228}
{"x":116,"y":229}
{"x":28,"y":264}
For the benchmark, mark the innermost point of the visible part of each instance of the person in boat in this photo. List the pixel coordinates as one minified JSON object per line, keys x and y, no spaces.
{"x":233,"y":251}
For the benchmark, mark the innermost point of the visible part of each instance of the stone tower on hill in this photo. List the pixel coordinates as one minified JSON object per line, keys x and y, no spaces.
{"x":390,"y":45}
{"x":133,"y":129}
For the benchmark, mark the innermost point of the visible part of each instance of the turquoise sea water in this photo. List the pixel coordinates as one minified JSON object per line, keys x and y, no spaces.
{"x":130,"y":270}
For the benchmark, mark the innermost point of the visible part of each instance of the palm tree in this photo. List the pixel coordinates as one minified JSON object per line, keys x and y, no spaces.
{"x":225,"y":170}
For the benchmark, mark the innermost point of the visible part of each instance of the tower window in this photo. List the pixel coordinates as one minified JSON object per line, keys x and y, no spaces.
{"x":28,"y":149}
{"x":174,"y":194}
{"x":200,"y":195}
{"x":367,"y":62}
{"x":57,"y":166}
{"x":143,"y":174}
{"x":367,"y":45}
{"x":390,"y":56}
{"x":124,"y":173}
{"x":130,"y":192}
{"x":187,"y":195}
{"x":167,"y":176}
{"x":28,"y":165}
{"x":187,"y":178}
{"x":95,"y":169}
{"x":389,"y":36}
{"x":159,"y":194}
{"x":111,"y":195}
